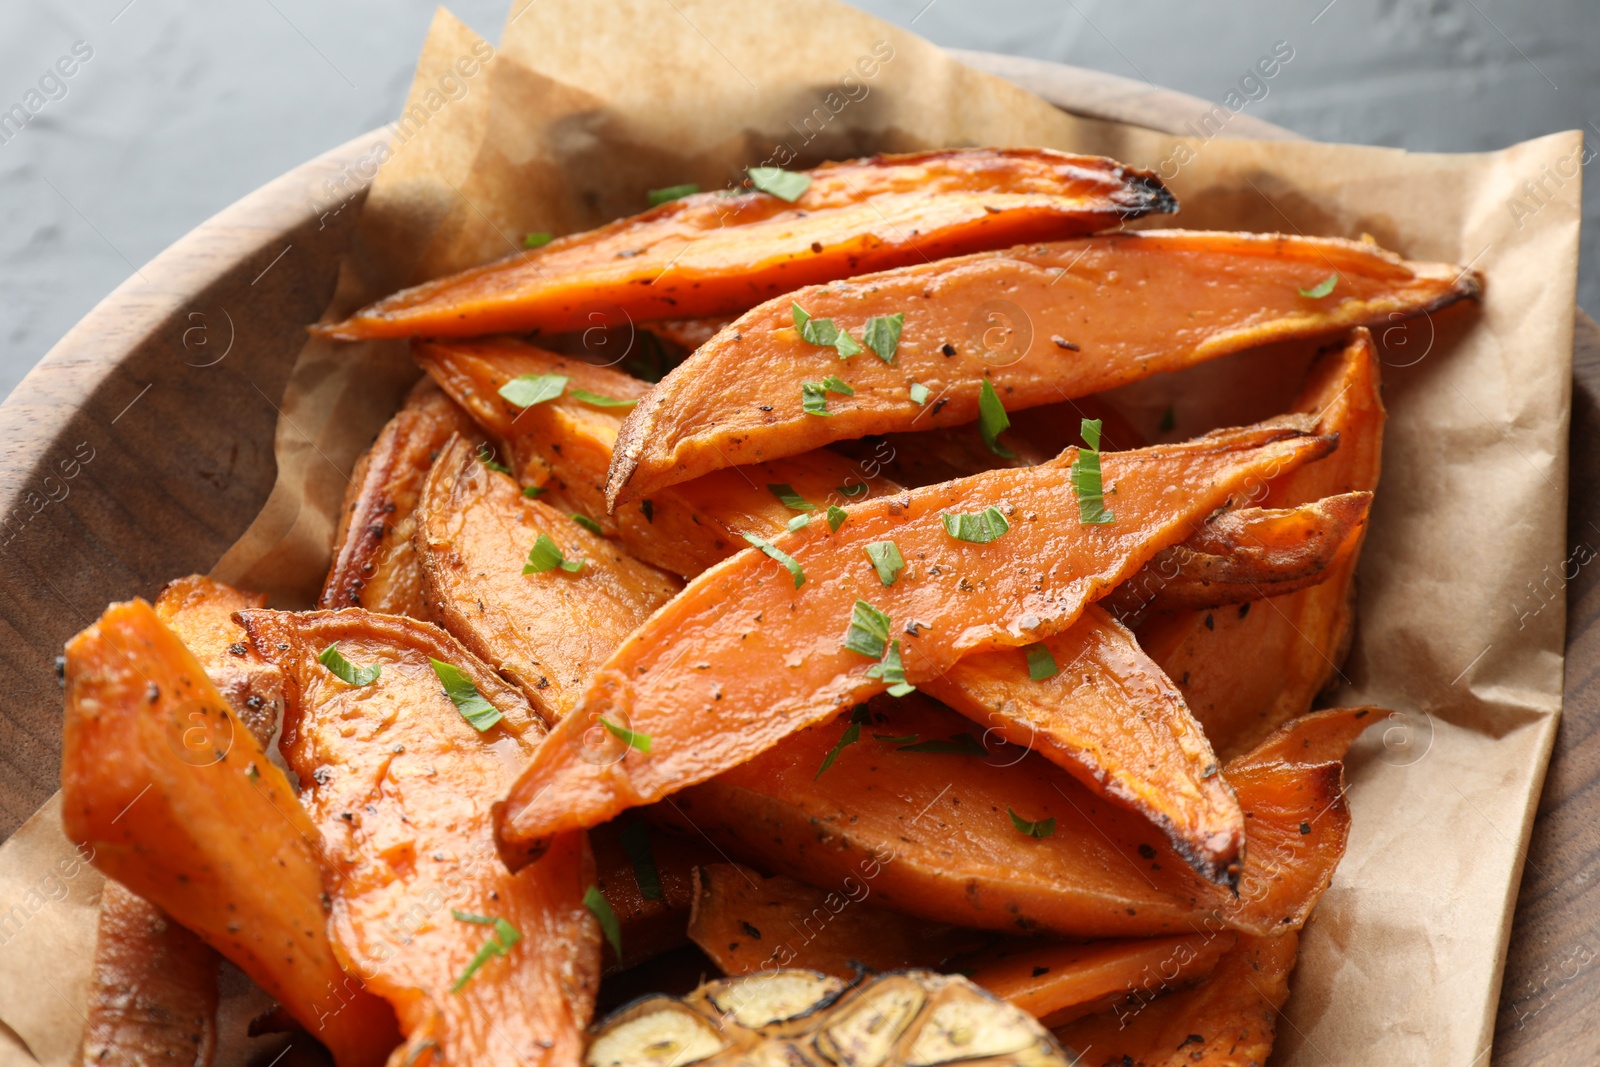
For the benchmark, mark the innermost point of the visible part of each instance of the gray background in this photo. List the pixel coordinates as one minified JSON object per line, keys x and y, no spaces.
{"x":186,"y":106}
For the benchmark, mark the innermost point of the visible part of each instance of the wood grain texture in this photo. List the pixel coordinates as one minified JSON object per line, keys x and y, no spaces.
{"x":172,"y":480}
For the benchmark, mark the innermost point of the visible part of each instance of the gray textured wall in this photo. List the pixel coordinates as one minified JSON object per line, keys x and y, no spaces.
{"x":186,"y":106}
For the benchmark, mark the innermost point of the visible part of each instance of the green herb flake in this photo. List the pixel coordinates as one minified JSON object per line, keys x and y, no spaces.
{"x":657,"y":197}
{"x":852,"y":733}
{"x":499,"y":944}
{"x":1042,"y":828}
{"x":869,"y":631}
{"x":348,"y":672}
{"x":992,"y":420}
{"x":526,"y":390}
{"x":637,"y":741}
{"x":545,"y":555}
{"x":852,"y":491}
{"x":1086,"y":480}
{"x":596,"y":400}
{"x":537,"y":240}
{"x":892,"y":669}
{"x":465,"y":696}
{"x":533,"y":492}
{"x":789,"y":498}
{"x":813,"y":399}
{"x":977,"y":527}
{"x":600,"y":908}
{"x":835,"y":384}
{"x":1322,"y":288}
{"x":882,"y":334}
{"x":587,"y":523}
{"x":773,"y":552}
{"x":823,"y":333}
{"x":486,"y":457}
{"x":1041,"y":664}
{"x":635,"y":839}
{"x":799,"y":522}
{"x":783,"y":184}
{"x":836,"y":517}
{"x":919,"y":393}
{"x":885,"y":556}
{"x":958,"y":745}
{"x":846,"y":346}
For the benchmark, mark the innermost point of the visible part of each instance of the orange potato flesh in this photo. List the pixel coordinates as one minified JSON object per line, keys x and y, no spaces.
{"x":1216,"y":657}
{"x":398,"y":783}
{"x":1129,"y":305}
{"x":545,"y":632}
{"x":1066,"y":980}
{"x":564,"y":446}
{"x":702,"y":677}
{"x":153,"y":992}
{"x":199,"y":612}
{"x":746,"y":923}
{"x":712,"y":254}
{"x":373,"y":564}
{"x":1229,"y":1020}
{"x":221,"y":842}
{"x":650,"y":925}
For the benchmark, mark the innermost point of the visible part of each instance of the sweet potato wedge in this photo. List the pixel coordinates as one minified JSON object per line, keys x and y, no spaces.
{"x":199,"y":612}
{"x":153,"y":992}
{"x":647,"y":876}
{"x":700,"y":678}
{"x":746,"y":923}
{"x":1104,"y":311}
{"x":1062,"y":981}
{"x":1215,"y":657}
{"x":712,"y":254}
{"x":562,"y":447}
{"x":398,"y":782}
{"x":546,"y":632}
{"x":183,"y":807}
{"x":373,"y":564}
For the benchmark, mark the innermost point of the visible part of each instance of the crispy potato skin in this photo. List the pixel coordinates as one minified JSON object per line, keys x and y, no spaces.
{"x":220,"y":841}
{"x":153,"y":994}
{"x":199,"y":612}
{"x":747,"y":923}
{"x":398,"y":784}
{"x":373,"y":563}
{"x":1216,"y":657}
{"x":700,"y":676}
{"x":712,"y":254}
{"x":1132,"y":305}
{"x":548,"y":632}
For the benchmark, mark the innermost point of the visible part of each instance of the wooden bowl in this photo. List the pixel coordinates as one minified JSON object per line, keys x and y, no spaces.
{"x":141,"y":447}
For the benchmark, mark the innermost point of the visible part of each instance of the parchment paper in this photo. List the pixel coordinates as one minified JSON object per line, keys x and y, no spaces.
{"x":589,"y":103}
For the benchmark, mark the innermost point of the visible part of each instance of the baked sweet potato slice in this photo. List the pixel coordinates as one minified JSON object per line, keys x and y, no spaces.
{"x":1103,"y":311}
{"x":713,"y":254}
{"x":1215,"y":657}
{"x":373,"y":564}
{"x":647,"y":876}
{"x":199,"y":612}
{"x":399,"y":776}
{"x":545,"y":631}
{"x":702,"y":679}
{"x":182,"y":806}
{"x":747,"y":923}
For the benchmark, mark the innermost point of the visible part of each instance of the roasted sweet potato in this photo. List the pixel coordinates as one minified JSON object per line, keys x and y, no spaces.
{"x":153,"y":992}
{"x":1104,"y":311}
{"x":399,"y":774}
{"x":689,"y":334}
{"x":563,"y":447}
{"x":1216,"y":657}
{"x":183,"y":807}
{"x":545,"y":631}
{"x":714,"y":254}
{"x":701,"y":678}
{"x":746,"y":923}
{"x":373,"y":564}
{"x":1062,"y":981}
{"x":647,"y":876}
{"x":199,"y":612}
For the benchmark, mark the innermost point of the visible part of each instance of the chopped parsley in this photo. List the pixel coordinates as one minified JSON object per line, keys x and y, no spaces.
{"x":635,"y":839}
{"x":919,"y":393}
{"x":533,"y":492}
{"x":814,"y":395}
{"x":869,"y":631}
{"x":638,"y":741}
{"x":657,"y":197}
{"x":486,"y":457}
{"x":823,"y":333}
{"x":773,"y":552}
{"x":499,"y":944}
{"x":587,"y":523}
{"x":789,"y":498}
{"x":348,"y":672}
{"x":852,"y":733}
{"x":882,"y":334}
{"x":465,"y":696}
{"x":545,"y":555}
{"x":526,"y":390}
{"x":978,"y":527}
{"x":600,"y":908}
{"x":885,"y":556}
{"x":1041,"y":664}
{"x":892,"y":670}
{"x":602,"y":401}
{"x":799,"y":522}
{"x":1086,"y":481}
{"x":1042,"y":828}
{"x":992,"y":420}
{"x":783,"y":184}
{"x":537,"y":240}
{"x":836,"y":517}
{"x":1322,"y":288}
